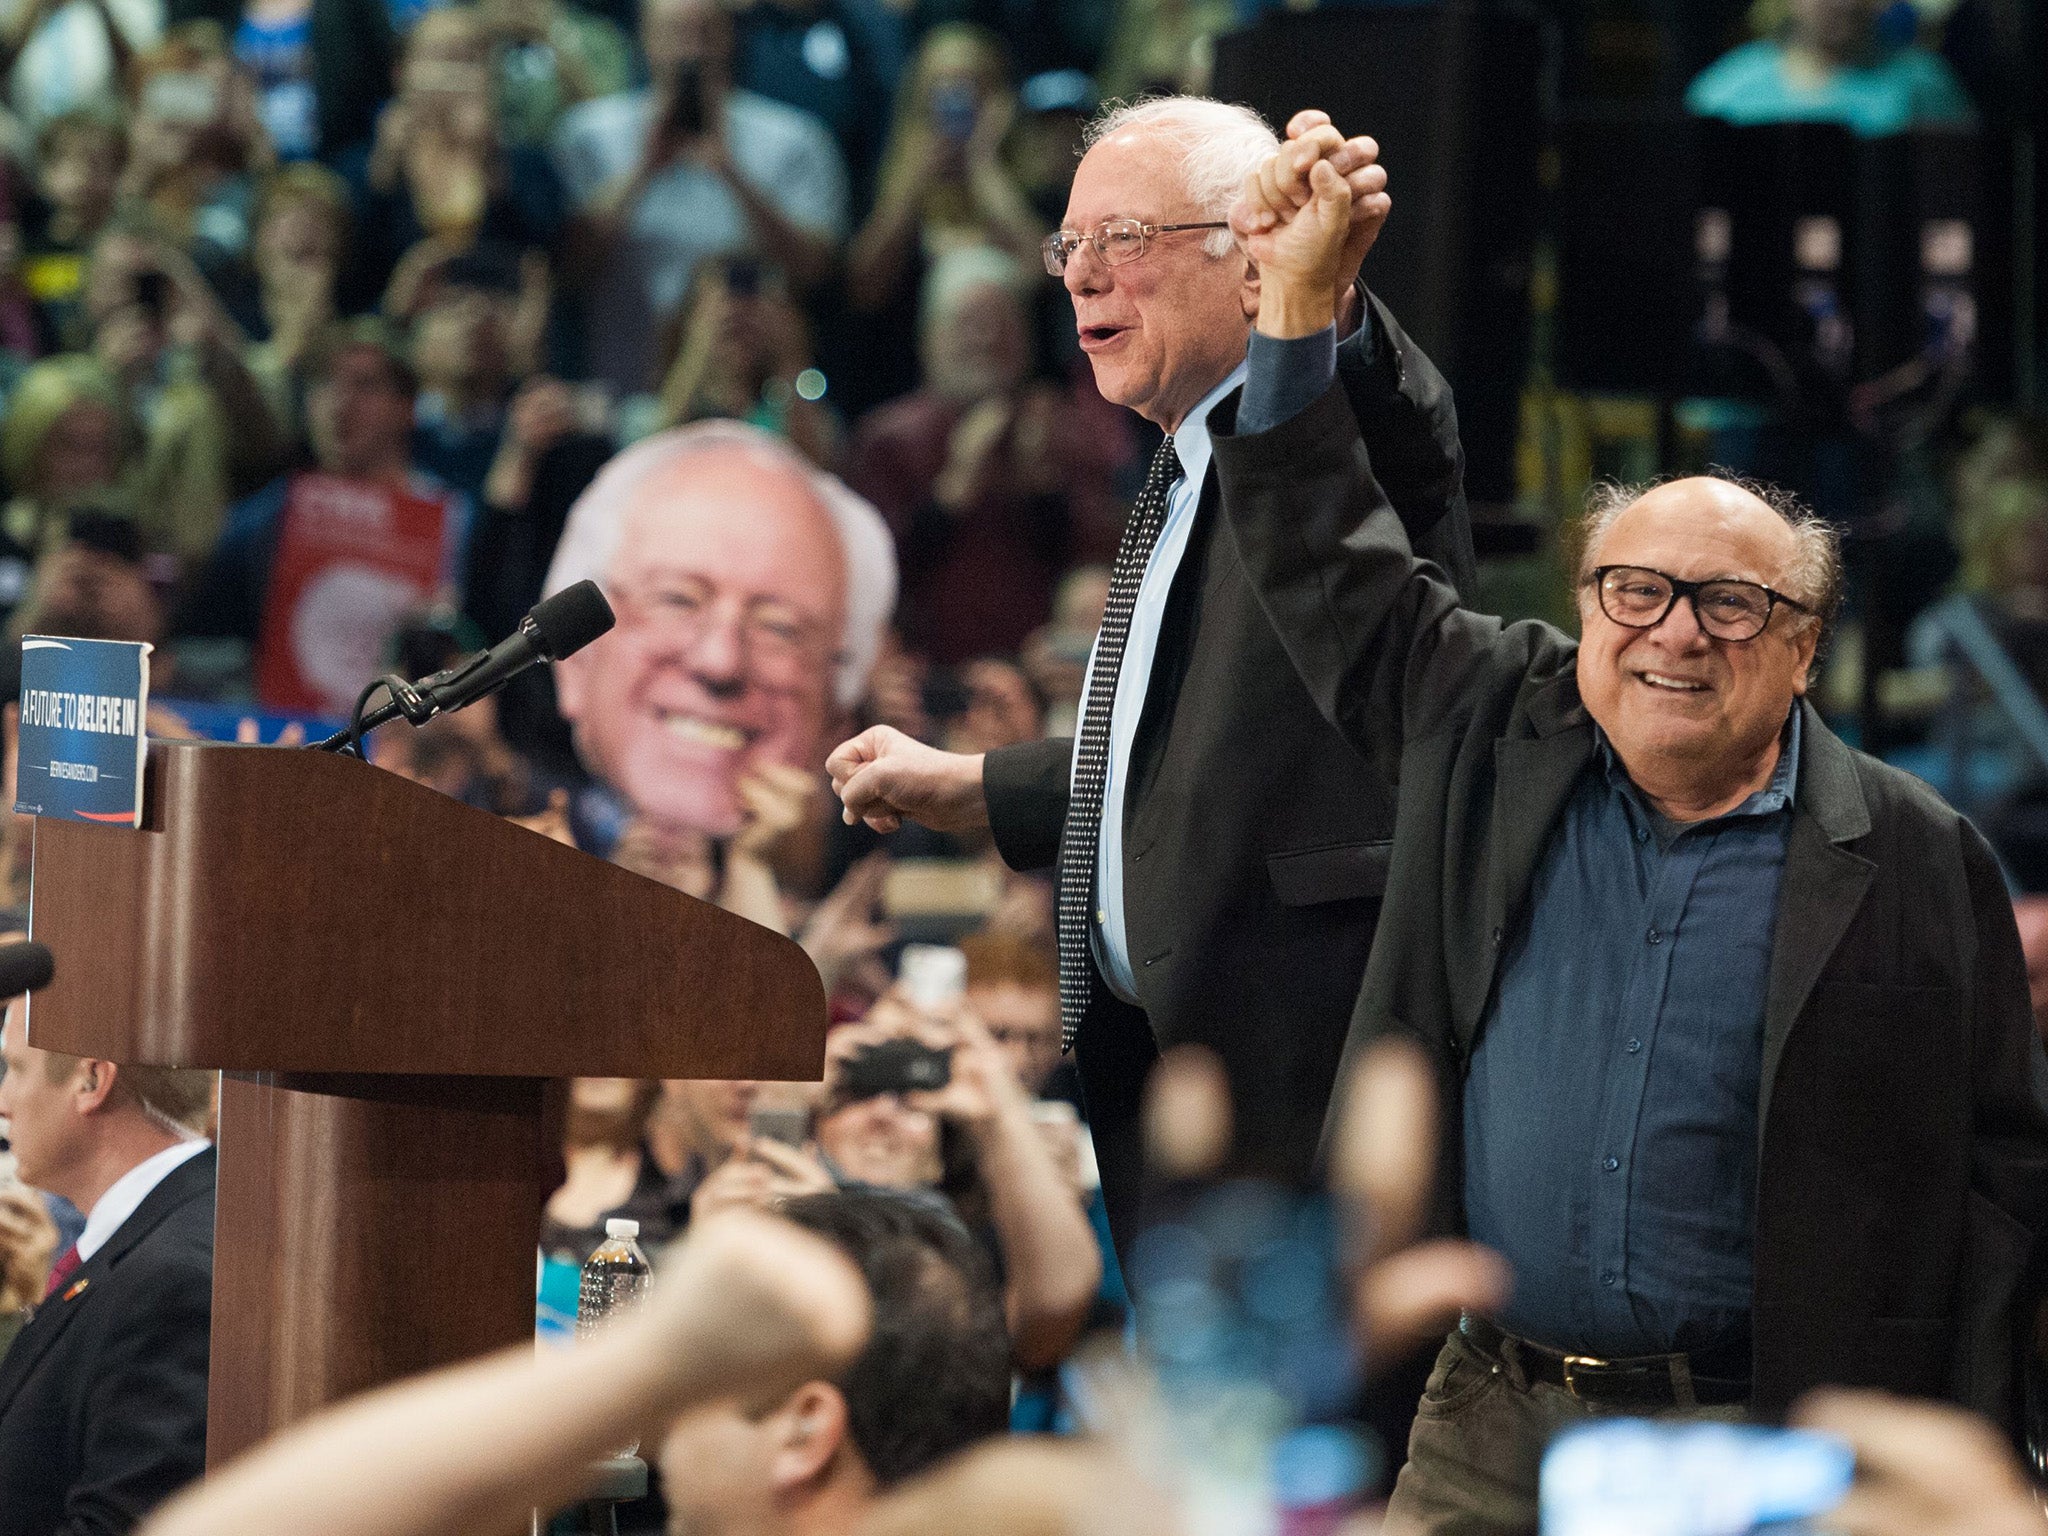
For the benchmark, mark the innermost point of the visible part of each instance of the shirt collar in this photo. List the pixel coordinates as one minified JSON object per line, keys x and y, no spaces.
{"x":1191,"y":438}
{"x":1777,"y":795}
{"x":129,"y":1191}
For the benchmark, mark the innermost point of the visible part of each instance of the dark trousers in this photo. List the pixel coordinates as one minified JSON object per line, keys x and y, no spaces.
{"x":1478,"y":1440}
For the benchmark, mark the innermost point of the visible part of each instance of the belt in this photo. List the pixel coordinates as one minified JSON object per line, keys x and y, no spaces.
{"x":1643,"y":1381}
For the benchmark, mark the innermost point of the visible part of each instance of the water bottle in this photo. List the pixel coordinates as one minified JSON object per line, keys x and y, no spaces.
{"x":614,"y":1279}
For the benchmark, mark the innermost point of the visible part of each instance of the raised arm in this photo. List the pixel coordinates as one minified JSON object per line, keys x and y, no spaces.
{"x":749,"y":1308}
{"x":1376,"y":633}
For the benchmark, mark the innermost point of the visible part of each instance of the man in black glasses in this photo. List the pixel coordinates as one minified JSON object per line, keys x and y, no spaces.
{"x":1732,"y":1019}
{"x":1220,"y":852}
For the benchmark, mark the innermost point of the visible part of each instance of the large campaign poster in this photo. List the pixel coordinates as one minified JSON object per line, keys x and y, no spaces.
{"x":353,"y":559}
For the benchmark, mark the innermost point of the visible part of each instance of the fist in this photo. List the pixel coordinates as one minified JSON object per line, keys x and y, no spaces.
{"x":886,"y":778}
{"x":1295,"y":214}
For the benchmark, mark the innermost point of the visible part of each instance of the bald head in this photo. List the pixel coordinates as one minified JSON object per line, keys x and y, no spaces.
{"x":1692,"y":699}
{"x":1812,"y":568}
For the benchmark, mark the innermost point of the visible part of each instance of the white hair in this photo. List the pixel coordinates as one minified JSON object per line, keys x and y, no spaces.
{"x":597,"y":522}
{"x":1220,"y":144}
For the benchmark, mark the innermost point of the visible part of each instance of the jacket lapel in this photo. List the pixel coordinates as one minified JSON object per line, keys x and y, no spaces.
{"x":1533,"y":777}
{"x":1824,"y":884}
{"x":184,"y":1182}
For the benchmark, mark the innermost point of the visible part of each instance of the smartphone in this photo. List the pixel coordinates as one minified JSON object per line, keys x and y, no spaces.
{"x":895,"y":1066}
{"x":1642,"y":1477}
{"x":932,"y":976}
{"x":686,"y":101}
{"x":152,"y":293}
{"x":788,"y":1124}
{"x":954,"y":109}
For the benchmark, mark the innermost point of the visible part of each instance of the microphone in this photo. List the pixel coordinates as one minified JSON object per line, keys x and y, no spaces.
{"x":25,"y":966}
{"x":560,"y":626}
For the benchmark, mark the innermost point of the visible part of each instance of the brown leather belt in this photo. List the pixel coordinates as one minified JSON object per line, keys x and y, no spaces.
{"x":1640,"y":1381}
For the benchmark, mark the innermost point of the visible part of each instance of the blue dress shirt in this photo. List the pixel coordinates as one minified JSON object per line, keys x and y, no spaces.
{"x":1191,"y":446}
{"x":1611,"y":1108}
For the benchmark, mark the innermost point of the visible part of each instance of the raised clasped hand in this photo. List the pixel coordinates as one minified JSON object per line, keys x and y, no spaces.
{"x":1294,"y":218}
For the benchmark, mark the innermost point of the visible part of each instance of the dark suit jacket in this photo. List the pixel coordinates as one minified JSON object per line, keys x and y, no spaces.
{"x":1903,"y":1179}
{"x":1255,"y":840}
{"x":103,"y":1395}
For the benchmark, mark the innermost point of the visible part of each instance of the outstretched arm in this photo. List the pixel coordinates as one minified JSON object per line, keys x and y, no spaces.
{"x":1376,"y":634}
{"x":750,"y":1308}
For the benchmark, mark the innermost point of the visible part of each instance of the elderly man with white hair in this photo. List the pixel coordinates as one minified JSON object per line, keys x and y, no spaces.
{"x":751,"y":591}
{"x":1222,"y":852}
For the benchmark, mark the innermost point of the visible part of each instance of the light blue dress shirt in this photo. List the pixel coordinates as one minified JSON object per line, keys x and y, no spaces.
{"x":1191,"y":446}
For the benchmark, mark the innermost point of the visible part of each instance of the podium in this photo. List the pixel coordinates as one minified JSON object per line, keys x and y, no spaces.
{"x":386,"y":978}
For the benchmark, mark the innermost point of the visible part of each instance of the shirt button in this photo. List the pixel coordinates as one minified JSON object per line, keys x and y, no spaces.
{"x":1607,"y":1277}
{"x":1611,"y":1164}
{"x":1634,"y":1045}
{"x":1642,"y":834}
{"x":1656,"y":936}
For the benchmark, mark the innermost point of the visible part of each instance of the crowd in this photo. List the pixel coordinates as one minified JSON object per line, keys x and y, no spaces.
{"x":335,"y":334}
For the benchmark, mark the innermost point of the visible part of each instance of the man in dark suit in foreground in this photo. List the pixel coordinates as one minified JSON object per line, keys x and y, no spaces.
{"x":1221,"y":851}
{"x":103,"y":1392}
{"x":1732,"y":1019}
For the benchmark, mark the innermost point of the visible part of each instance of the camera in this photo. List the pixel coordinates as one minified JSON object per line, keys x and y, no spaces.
{"x":895,"y":1066}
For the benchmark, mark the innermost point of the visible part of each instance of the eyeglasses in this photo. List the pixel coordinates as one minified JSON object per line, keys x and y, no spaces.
{"x":780,"y":645}
{"x":1640,"y":598}
{"x":1116,"y":241}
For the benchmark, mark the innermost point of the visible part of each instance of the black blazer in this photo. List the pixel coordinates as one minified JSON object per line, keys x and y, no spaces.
{"x":1903,"y":1155}
{"x":103,"y":1393}
{"x":1255,"y":839}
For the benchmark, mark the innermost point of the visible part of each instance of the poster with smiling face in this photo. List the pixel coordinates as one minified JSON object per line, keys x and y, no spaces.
{"x":750,"y":591}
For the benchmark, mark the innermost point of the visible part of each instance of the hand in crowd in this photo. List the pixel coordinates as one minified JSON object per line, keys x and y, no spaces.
{"x":1923,"y":1469}
{"x":552,"y":820}
{"x":885,"y":778}
{"x":28,"y":1241}
{"x":775,"y":798}
{"x":849,"y":924}
{"x":676,"y":856}
{"x":972,"y":452}
{"x":1404,"y":1293}
{"x":759,"y":1174}
{"x":249,"y":733}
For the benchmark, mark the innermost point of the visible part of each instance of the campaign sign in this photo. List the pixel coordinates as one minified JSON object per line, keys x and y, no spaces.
{"x":82,"y":740}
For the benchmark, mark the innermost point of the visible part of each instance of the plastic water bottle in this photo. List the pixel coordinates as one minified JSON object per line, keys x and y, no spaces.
{"x":614,"y":1279}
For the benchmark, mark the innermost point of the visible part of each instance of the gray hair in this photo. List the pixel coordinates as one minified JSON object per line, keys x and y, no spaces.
{"x":1219,"y":145}
{"x":1815,"y":578}
{"x":597,"y":522}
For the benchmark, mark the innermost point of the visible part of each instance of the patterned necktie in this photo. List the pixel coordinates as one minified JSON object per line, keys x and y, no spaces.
{"x":1076,"y":898}
{"x":65,"y":1267}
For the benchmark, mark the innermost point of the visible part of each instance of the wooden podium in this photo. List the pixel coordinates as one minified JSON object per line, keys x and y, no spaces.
{"x":386,"y":977}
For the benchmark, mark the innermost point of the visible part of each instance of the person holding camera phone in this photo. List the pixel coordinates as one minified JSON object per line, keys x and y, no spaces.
{"x":690,"y":169}
{"x":894,"y":1084}
{"x":943,"y":183}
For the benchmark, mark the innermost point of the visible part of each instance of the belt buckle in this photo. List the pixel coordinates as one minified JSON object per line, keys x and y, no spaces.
{"x":1580,"y":1362}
